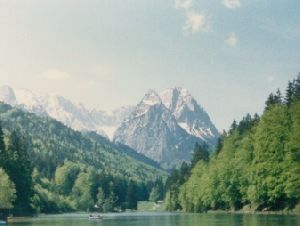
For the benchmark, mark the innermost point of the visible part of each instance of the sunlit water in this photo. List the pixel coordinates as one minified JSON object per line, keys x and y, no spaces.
{"x":162,"y":219}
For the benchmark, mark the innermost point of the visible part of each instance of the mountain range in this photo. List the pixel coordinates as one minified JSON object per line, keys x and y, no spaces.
{"x":50,"y":143}
{"x":76,"y":116}
{"x":163,"y":127}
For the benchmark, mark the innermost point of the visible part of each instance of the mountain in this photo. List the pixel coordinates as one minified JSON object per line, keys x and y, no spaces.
{"x":155,"y":127}
{"x":189,"y":114}
{"x":51,"y":143}
{"x":57,"y":107}
{"x":164,"y":127}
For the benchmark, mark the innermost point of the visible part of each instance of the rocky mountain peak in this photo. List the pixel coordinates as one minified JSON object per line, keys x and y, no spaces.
{"x":7,"y":95}
{"x":151,"y":98}
{"x":178,"y":98}
{"x":166,"y":127}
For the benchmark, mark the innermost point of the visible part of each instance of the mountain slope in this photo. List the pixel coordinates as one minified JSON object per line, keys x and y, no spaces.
{"x":153,"y":130}
{"x":76,"y":116}
{"x":122,"y":148}
{"x":189,"y":114}
{"x":52,"y":143}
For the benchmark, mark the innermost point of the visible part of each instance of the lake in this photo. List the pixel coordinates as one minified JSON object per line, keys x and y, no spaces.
{"x":162,"y":219}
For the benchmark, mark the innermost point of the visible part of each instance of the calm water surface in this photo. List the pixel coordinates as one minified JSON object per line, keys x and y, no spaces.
{"x":162,"y":219}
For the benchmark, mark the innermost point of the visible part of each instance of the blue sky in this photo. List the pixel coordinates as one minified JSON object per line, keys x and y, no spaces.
{"x":230,"y":54}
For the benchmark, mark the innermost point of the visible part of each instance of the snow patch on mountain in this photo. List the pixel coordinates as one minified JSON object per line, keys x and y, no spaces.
{"x":166,"y":127}
{"x":76,"y":116}
{"x":163,"y":127}
{"x":189,"y":114}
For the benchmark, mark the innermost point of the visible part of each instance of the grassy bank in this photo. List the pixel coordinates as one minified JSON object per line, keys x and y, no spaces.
{"x":151,"y":206}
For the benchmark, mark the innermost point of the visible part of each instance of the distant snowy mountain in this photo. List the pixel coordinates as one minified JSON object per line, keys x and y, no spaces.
{"x":163,"y":127}
{"x":73,"y":115}
{"x":166,"y":127}
{"x":189,"y":114}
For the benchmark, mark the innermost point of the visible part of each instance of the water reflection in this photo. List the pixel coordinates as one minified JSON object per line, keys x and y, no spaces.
{"x":163,"y":219}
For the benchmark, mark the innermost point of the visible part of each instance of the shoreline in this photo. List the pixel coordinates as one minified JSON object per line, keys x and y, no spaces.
{"x":227,"y":212}
{"x":265,"y":213}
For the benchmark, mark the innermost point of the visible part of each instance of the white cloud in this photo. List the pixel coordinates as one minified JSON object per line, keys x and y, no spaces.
{"x":232,"y":4}
{"x":183,"y":4}
{"x":195,"y":22}
{"x":232,"y":40}
{"x":55,"y":75}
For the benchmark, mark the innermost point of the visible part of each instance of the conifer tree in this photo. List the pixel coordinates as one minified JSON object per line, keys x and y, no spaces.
{"x":278,"y":97}
{"x":20,"y":171}
{"x":233,"y":126}
{"x":131,"y":198}
{"x":297,"y":88}
{"x":7,"y":191}
{"x":273,"y":99}
{"x":289,"y":93}
{"x":3,"y":153}
{"x":200,"y":153}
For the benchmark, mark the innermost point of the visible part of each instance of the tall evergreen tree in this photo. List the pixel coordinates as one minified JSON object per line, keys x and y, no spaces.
{"x":297,"y":88}
{"x":273,"y":99}
{"x":131,"y":197}
{"x":20,"y":171}
{"x":7,"y":191}
{"x":3,"y":153}
{"x":200,"y":153}
{"x":278,"y":97}
{"x":219,"y":145}
{"x":289,"y":93}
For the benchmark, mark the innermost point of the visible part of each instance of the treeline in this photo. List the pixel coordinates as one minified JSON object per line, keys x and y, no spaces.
{"x":256,"y":165}
{"x":46,"y":167}
{"x":79,"y":187}
{"x":50,"y":143}
{"x":74,"y":186}
{"x":15,"y":177}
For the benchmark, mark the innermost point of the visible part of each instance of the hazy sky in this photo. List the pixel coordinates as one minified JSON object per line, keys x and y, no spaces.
{"x":230,"y":54}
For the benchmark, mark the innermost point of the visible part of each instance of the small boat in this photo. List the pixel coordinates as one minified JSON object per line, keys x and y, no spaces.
{"x":95,"y":217}
{"x":2,"y":222}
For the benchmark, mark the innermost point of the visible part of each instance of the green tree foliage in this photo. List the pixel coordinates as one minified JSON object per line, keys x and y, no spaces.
{"x":273,"y":99}
{"x":293,"y":91}
{"x":65,"y":177}
{"x":88,"y":190}
{"x":3,"y":152}
{"x":81,"y":191}
{"x":70,"y":168}
{"x":292,"y":157}
{"x":7,"y":191}
{"x":179,"y":176}
{"x":200,"y":153}
{"x":256,"y":164}
{"x":51,"y":144}
{"x":289,"y":93}
{"x":131,"y":199}
{"x":267,"y":169}
{"x":100,"y":199}
{"x":157,"y":192}
{"x":19,"y":169}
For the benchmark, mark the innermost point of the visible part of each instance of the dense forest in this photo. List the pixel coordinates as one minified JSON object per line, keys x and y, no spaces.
{"x":46,"y":167}
{"x":255,"y":167}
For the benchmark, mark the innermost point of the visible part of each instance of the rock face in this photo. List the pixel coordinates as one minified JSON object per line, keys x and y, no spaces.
{"x":166,"y":127}
{"x":163,"y":127}
{"x":189,"y":114}
{"x":73,"y":115}
{"x":7,"y":95}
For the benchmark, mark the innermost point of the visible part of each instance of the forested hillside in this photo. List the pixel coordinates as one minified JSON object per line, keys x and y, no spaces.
{"x":256,"y":165}
{"x":70,"y":170}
